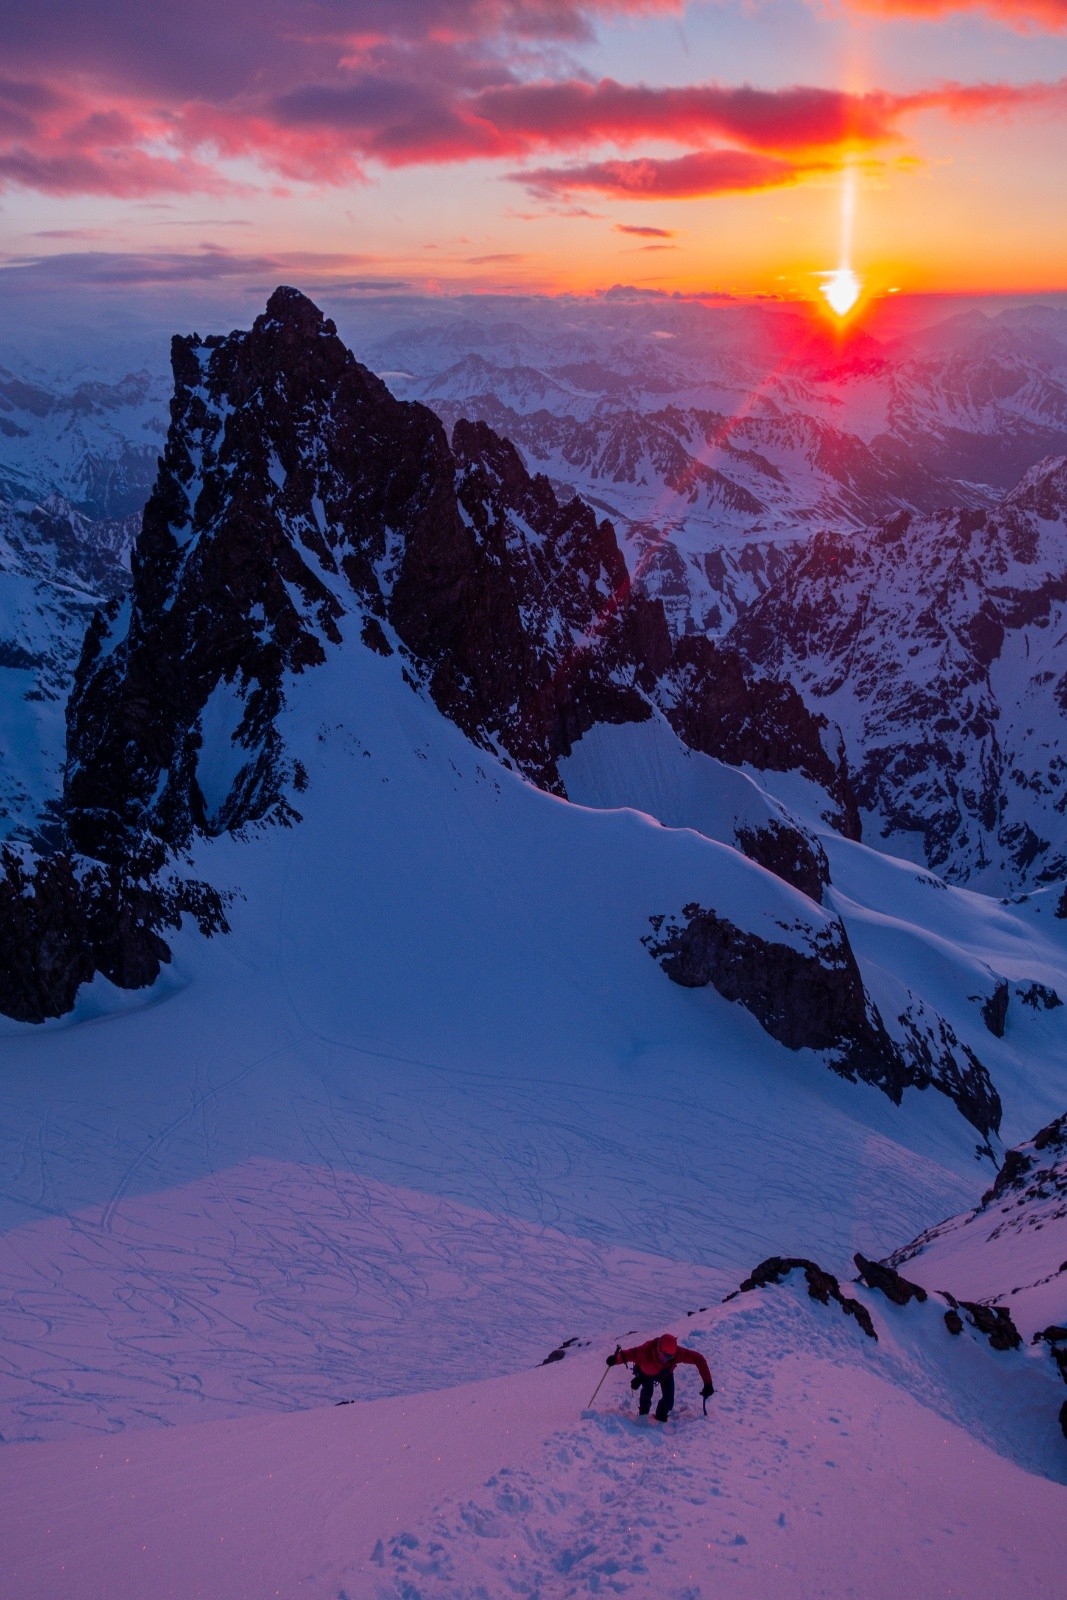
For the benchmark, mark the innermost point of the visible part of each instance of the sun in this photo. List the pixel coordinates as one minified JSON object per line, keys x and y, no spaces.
{"x":842,"y":290}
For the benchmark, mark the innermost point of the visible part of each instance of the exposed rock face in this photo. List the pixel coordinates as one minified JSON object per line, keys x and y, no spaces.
{"x":995,"y":1010}
{"x":1038,"y":996}
{"x":555,"y":642}
{"x":62,"y":920}
{"x":995,"y":1322}
{"x":798,"y":858}
{"x":938,"y":1056}
{"x":1036,"y":1170}
{"x":822,"y":1286}
{"x":810,"y":996}
{"x":721,"y":704}
{"x":809,"y":993}
{"x":235,"y":575}
{"x":891,"y":1284}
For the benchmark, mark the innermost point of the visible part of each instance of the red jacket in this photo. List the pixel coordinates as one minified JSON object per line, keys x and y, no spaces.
{"x":647,"y":1359}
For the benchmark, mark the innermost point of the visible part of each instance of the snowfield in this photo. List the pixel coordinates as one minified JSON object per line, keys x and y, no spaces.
{"x":828,"y":1466}
{"x":427,"y":1112}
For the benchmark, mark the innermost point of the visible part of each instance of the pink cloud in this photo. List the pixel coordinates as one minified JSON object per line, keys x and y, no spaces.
{"x":315,"y":90}
{"x":565,"y":113}
{"x":61,"y":144}
{"x":697,"y":175}
{"x":211,"y":263}
{"x":200,"y":49}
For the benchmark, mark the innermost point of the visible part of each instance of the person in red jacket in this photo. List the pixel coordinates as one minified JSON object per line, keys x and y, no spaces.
{"x":654,"y":1363}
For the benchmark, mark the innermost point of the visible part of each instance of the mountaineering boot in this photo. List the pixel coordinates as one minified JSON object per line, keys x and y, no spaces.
{"x":663,"y":1411}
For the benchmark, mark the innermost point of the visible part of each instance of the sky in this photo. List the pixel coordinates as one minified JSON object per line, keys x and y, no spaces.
{"x":740,"y":147}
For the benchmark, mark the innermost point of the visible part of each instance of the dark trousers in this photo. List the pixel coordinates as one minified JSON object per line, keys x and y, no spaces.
{"x":666,"y":1399}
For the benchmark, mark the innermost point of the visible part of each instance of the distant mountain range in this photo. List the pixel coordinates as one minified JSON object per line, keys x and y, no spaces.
{"x":767,"y":484}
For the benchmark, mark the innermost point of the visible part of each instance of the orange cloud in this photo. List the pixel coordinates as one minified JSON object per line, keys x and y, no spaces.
{"x":698,"y":175}
{"x":1025,"y":15}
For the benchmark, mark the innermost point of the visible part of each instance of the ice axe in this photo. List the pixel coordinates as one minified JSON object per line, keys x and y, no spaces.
{"x":612,"y":1363}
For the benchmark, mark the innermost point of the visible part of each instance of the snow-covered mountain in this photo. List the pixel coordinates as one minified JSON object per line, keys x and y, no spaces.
{"x":95,"y":443}
{"x":730,"y":444}
{"x":294,"y":493}
{"x":724,"y":423}
{"x":936,"y":645}
{"x":56,"y":567}
{"x":442,"y":958}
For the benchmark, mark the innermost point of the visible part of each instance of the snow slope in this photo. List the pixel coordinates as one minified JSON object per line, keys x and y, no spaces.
{"x":1012,"y":1247}
{"x":944,"y":1453}
{"x":435,"y":982}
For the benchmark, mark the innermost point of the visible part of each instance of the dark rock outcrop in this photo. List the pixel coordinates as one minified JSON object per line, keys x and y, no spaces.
{"x":822,"y":1286}
{"x":995,"y":1322}
{"x":938,"y":1056}
{"x":1055,"y":1337}
{"x":877,"y":1276}
{"x":808,"y":993}
{"x":995,"y":1009}
{"x":63,"y":920}
{"x":795,"y":857}
{"x":1036,"y":1168}
{"x":1038,"y":996}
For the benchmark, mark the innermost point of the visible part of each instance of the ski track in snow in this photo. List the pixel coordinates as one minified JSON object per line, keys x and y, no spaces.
{"x":272,"y":1286}
{"x":829,"y":1467}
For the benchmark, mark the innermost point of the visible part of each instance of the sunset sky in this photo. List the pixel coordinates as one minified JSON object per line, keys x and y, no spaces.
{"x":546,"y":145}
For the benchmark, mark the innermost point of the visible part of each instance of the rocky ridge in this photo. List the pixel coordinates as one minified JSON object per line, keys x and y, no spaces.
{"x":294,"y":492}
{"x":935,"y":644}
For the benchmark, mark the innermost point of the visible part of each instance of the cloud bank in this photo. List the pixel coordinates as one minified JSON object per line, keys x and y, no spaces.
{"x":105,"y":97}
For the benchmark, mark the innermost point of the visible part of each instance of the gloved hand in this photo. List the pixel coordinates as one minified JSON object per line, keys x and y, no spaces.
{"x":615,"y":1356}
{"x":707,"y":1391}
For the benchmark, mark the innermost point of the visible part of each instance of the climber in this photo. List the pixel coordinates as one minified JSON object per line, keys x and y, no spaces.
{"x":654,"y":1363}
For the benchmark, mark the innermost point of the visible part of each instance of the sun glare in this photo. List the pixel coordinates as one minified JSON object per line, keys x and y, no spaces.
{"x":842,"y":290}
